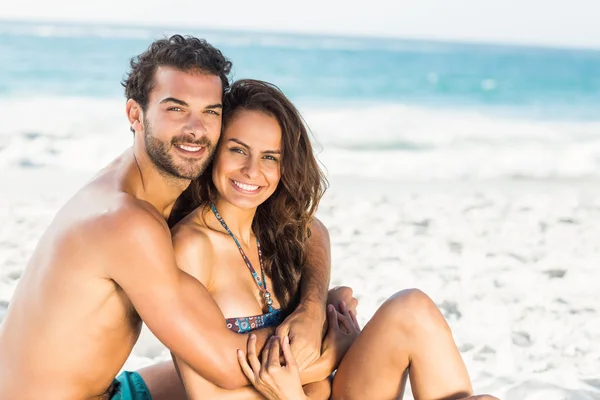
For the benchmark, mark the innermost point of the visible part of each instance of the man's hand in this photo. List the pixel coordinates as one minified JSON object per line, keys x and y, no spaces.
{"x":304,"y":327}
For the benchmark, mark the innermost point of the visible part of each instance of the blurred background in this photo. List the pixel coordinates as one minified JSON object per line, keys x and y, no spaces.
{"x":461,"y":139}
{"x":404,"y":89}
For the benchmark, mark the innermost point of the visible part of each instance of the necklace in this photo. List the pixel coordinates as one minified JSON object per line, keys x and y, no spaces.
{"x":261,"y":283}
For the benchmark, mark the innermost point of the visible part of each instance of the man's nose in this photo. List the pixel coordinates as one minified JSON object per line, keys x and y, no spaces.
{"x":196,"y":126}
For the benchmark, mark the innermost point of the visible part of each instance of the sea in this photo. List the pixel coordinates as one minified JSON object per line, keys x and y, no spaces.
{"x":392,"y":109}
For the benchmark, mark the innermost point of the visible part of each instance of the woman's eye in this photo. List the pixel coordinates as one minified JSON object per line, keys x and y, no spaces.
{"x":237,"y":150}
{"x":271,"y":158}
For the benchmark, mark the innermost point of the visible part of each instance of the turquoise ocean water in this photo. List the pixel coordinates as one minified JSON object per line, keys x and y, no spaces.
{"x":436,"y":105}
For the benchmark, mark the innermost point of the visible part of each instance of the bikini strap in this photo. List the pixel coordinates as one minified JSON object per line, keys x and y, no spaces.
{"x":261,"y":283}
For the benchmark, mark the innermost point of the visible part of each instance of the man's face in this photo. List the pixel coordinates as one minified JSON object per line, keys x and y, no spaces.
{"x":182,"y":121}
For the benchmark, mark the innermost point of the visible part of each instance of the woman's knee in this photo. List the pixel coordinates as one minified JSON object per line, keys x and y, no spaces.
{"x":412,"y":307}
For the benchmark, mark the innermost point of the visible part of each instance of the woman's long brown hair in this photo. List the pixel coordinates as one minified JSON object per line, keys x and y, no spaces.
{"x":282,"y":222}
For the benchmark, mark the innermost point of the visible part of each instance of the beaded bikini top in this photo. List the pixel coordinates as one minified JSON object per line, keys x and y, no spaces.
{"x":274,"y":316}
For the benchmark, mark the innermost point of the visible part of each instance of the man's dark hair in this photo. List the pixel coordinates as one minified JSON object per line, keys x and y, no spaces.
{"x":183,"y":53}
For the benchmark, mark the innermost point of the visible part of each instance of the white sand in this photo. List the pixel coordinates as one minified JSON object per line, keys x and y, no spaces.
{"x":513,"y":265}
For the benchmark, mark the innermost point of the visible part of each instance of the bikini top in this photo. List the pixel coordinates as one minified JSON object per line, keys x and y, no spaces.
{"x":248,"y":324}
{"x":271,"y":318}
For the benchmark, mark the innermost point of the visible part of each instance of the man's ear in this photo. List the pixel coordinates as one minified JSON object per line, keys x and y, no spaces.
{"x":135,"y":114}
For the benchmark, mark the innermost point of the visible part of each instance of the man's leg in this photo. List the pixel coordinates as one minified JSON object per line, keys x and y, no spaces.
{"x":408,"y":334}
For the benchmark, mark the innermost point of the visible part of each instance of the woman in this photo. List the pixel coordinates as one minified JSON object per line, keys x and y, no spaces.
{"x":249,"y":217}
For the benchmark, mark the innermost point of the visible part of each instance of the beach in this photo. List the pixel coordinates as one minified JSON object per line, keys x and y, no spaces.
{"x":511,"y":264}
{"x":468,"y":171}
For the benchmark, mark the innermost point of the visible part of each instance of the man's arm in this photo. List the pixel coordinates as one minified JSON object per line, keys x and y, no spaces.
{"x":176,"y":307}
{"x":317,"y":273}
{"x":305,"y":326}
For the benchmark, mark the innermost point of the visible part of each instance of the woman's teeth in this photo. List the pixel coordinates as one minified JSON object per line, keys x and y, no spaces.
{"x":243,"y":186}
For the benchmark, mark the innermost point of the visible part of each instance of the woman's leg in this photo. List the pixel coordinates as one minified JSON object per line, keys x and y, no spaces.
{"x":407,"y":335}
{"x":163,"y":381}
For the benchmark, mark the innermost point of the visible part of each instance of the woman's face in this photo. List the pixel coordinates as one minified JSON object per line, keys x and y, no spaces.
{"x":246,"y":169}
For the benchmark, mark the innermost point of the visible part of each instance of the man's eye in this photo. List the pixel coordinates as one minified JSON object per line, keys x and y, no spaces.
{"x":174,"y":109}
{"x":213,"y":112}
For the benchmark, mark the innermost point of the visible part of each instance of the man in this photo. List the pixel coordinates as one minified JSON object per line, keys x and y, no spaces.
{"x":106,"y":262}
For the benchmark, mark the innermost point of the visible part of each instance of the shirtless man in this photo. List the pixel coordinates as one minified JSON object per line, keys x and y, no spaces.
{"x":106,"y":262}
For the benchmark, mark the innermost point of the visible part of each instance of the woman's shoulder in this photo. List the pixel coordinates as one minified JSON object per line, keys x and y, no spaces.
{"x":192,"y":226}
{"x":193,"y":243}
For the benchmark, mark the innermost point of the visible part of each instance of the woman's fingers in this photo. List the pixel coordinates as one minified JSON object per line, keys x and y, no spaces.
{"x":332,"y":317}
{"x":354,"y":320}
{"x":245,"y":366}
{"x":252,"y":358}
{"x":273,"y":358}
{"x":346,"y":318}
{"x":266,"y":351}
{"x":288,"y":356}
{"x":345,"y":322}
{"x":343,"y":307}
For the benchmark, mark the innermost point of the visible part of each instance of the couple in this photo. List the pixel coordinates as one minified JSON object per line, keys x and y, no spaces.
{"x":245,"y":267}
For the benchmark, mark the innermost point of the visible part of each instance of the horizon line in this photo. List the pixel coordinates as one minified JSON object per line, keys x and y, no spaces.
{"x":298,"y":33}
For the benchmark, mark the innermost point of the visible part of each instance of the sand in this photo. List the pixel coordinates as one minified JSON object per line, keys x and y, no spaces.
{"x":513,"y":265}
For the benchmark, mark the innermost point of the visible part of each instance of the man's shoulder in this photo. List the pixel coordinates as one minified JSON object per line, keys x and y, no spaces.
{"x":127,"y":234}
{"x":131,"y":208}
{"x":122,"y":216}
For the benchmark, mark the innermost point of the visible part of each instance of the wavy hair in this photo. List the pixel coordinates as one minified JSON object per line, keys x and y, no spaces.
{"x":186,"y":53}
{"x":282,"y":222}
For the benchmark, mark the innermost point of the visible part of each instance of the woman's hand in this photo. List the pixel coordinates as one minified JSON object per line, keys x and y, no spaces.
{"x":342,"y":331}
{"x":271,"y":379}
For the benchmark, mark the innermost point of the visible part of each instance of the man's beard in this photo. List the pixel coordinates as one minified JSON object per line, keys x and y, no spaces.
{"x":158,"y":151}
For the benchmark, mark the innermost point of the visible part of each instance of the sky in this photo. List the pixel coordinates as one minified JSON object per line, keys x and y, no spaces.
{"x":564,"y":23}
